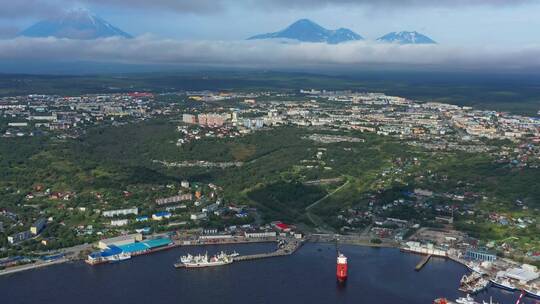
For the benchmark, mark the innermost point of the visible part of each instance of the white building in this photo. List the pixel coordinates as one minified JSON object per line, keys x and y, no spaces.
{"x":119,"y":223}
{"x":198,"y":216}
{"x":113,"y":213}
{"x":260,"y":234}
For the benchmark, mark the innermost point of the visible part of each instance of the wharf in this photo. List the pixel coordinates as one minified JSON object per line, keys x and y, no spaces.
{"x":423,"y":262}
{"x":289,"y":248}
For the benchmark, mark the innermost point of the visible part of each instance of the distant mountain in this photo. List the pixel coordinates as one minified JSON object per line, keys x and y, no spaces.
{"x":406,"y":38}
{"x":76,"y":24}
{"x":308,"y":31}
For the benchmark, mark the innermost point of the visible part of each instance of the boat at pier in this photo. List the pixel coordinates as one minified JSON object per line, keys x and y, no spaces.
{"x":473,"y":283}
{"x":199,"y":261}
{"x":503,"y":283}
{"x":464,"y":300}
{"x":533,"y":292}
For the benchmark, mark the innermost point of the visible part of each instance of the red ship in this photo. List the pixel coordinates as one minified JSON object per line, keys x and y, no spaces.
{"x":341,"y":271}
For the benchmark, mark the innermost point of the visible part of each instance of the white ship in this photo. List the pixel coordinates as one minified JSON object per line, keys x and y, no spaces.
{"x":119,"y":257}
{"x":198,"y":261}
{"x":466,"y":300}
{"x":503,"y":284}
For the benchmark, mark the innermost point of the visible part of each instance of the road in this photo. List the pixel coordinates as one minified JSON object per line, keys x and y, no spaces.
{"x":316,"y":220}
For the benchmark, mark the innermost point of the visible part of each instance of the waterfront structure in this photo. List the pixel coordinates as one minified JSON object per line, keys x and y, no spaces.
{"x":120,"y":240}
{"x":524,"y":275}
{"x":427,"y":249}
{"x":113,"y":213}
{"x":120,"y":252}
{"x":259,"y":234}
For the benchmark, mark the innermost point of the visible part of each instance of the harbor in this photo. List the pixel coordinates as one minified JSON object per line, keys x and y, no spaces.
{"x":485,"y":271}
{"x":307,"y":276}
{"x":423,"y":262}
{"x":284,"y":247}
{"x":500,"y":273}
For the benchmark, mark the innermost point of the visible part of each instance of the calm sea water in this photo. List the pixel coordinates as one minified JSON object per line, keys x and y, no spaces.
{"x":382,"y":276}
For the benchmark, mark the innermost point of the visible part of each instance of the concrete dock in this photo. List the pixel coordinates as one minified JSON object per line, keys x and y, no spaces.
{"x":289,"y":248}
{"x":423,"y":262}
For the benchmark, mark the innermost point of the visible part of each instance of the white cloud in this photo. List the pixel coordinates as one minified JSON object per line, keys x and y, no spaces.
{"x":151,"y":50}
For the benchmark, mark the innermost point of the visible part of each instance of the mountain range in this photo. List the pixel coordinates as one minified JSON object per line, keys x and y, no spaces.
{"x":306,"y":30}
{"x":81,"y":24}
{"x":406,"y":38}
{"x":75,"y":24}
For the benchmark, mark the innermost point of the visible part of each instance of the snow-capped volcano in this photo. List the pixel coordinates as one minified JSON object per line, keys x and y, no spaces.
{"x":406,"y":38}
{"x":75,"y":24}
{"x":308,"y":31}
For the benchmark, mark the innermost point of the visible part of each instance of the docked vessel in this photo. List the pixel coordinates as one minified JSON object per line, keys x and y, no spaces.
{"x":120,"y":257}
{"x":473,"y":283}
{"x":503,"y":284}
{"x":341,"y":268}
{"x":533,"y":293}
{"x":199,"y":261}
{"x":467,"y":300}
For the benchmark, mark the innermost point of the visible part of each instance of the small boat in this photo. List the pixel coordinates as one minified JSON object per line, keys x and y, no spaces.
{"x":467,"y":300}
{"x":119,"y":257}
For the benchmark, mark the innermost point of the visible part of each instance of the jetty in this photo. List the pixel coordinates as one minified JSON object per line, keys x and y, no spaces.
{"x":288,"y":248}
{"x":423,"y":262}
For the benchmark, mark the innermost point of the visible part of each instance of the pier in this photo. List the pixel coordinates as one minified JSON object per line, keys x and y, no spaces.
{"x":288,"y":249}
{"x":423,"y":262}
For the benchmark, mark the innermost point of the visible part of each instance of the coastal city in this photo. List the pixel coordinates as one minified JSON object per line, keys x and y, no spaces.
{"x":216,"y":152}
{"x":195,"y":213}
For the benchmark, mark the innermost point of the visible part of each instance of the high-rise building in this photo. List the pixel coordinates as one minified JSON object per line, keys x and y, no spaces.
{"x":189,"y":118}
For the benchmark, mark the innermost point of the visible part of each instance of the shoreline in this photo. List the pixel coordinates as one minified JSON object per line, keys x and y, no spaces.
{"x":178,"y":244}
{"x":32,"y":266}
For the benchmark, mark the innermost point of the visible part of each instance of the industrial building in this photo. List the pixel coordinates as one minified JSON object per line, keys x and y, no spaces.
{"x":525,"y":274}
{"x":480,"y":255}
{"x":120,"y":240}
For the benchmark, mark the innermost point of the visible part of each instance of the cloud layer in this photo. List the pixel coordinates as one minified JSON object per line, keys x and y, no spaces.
{"x":150,"y":50}
{"x":42,"y":8}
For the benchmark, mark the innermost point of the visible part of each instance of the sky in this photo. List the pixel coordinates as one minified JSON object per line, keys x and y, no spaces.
{"x":470,"y":33}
